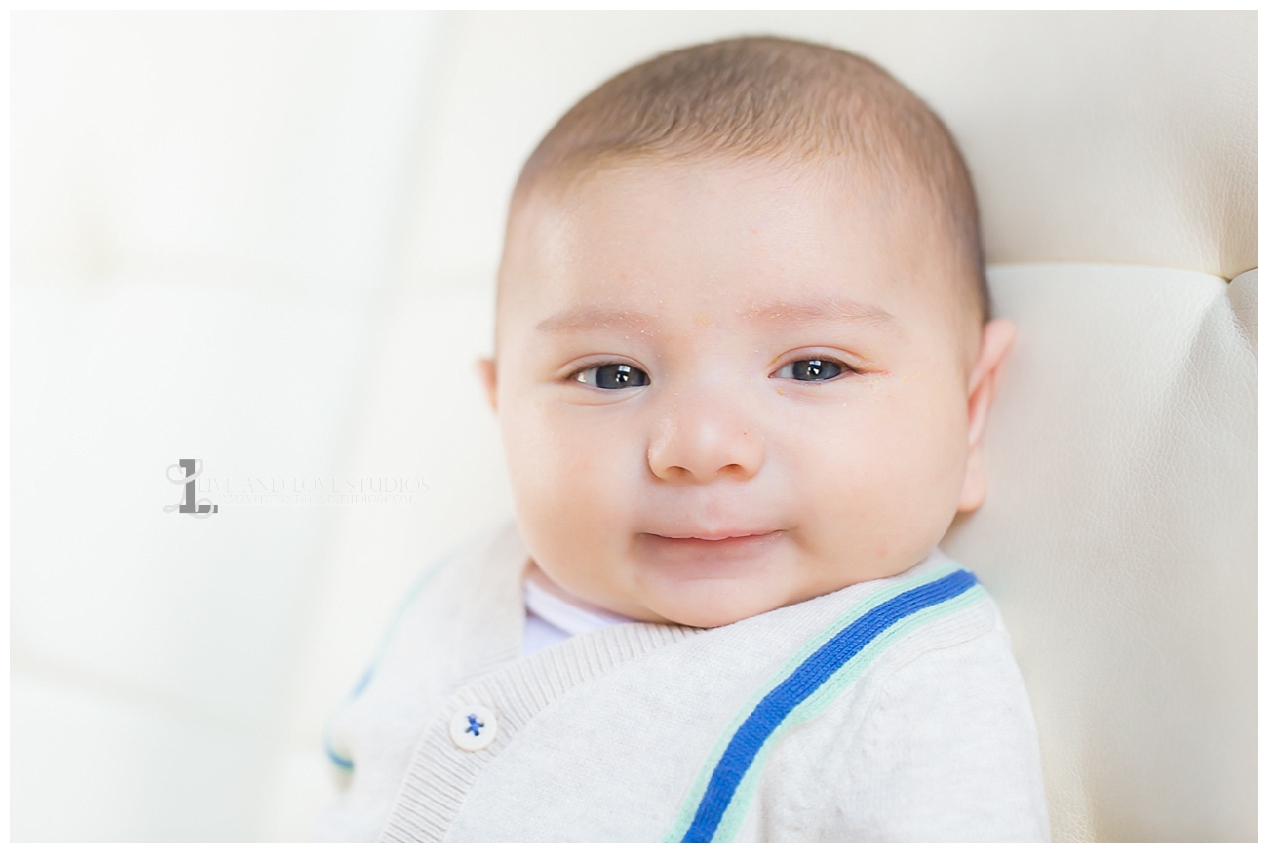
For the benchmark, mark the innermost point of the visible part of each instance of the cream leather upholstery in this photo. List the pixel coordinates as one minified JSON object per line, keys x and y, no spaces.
{"x":1119,"y":537}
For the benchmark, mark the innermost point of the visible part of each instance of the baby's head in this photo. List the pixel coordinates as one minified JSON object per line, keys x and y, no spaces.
{"x":743,"y":354}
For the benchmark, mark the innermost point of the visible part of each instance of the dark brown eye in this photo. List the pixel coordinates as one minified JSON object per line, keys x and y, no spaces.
{"x":810,"y":370}
{"x":612,"y":376}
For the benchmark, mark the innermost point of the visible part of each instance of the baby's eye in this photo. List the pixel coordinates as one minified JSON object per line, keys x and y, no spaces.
{"x":611,"y":376}
{"x":810,"y":370}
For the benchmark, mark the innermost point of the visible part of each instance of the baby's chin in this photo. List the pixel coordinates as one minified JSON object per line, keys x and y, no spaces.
{"x":712,"y":602}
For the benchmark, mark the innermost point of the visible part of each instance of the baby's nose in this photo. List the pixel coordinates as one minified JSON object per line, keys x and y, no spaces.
{"x":704,"y":442}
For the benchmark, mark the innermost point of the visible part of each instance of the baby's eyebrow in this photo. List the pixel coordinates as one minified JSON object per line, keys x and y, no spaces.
{"x":782,"y":312}
{"x":590,"y":317}
{"x":818,"y":309}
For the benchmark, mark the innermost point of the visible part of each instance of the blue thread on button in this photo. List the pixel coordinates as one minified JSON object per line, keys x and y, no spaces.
{"x":474,"y":725}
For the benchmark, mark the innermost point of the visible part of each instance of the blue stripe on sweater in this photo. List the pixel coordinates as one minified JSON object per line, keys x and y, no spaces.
{"x":801,"y":684}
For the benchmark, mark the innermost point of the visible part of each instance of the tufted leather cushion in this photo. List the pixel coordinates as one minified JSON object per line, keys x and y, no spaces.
{"x":1119,"y":538}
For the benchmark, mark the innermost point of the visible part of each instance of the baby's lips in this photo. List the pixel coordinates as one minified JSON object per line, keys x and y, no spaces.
{"x":717,"y":534}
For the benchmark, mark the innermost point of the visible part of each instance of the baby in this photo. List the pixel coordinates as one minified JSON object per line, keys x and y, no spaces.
{"x":743,"y":366}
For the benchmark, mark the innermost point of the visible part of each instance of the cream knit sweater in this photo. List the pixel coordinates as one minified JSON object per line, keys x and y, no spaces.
{"x":889,"y":710}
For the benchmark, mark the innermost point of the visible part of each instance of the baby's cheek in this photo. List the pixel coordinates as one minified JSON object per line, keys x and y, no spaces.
{"x":879,"y":475}
{"x":577,"y":474}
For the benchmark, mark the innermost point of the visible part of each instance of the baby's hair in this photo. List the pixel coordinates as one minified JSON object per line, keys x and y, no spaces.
{"x":777,"y":99}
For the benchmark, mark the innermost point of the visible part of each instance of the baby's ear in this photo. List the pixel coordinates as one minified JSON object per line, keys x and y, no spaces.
{"x":488,"y":371}
{"x":997,"y":342}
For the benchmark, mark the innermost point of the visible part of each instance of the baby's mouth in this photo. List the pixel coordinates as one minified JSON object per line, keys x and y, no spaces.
{"x":716,"y":536}
{"x":705,"y":549}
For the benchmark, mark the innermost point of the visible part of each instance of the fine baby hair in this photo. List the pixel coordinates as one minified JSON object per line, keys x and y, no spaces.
{"x":776,"y":99}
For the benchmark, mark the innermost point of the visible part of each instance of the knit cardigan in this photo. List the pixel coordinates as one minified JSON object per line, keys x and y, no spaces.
{"x":888,"y":710}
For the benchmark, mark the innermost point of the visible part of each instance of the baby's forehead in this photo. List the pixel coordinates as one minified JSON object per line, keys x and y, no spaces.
{"x":703,"y":224}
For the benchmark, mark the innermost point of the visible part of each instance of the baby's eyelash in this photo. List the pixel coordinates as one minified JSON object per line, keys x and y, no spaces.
{"x":611,"y":377}
{"x":616,"y":376}
{"x":813,"y":370}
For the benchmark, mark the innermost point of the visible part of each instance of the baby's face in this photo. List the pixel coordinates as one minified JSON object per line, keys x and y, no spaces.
{"x":725,"y":388}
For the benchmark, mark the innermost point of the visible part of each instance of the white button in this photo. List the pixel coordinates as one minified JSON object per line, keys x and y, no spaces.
{"x":473,"y":728}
